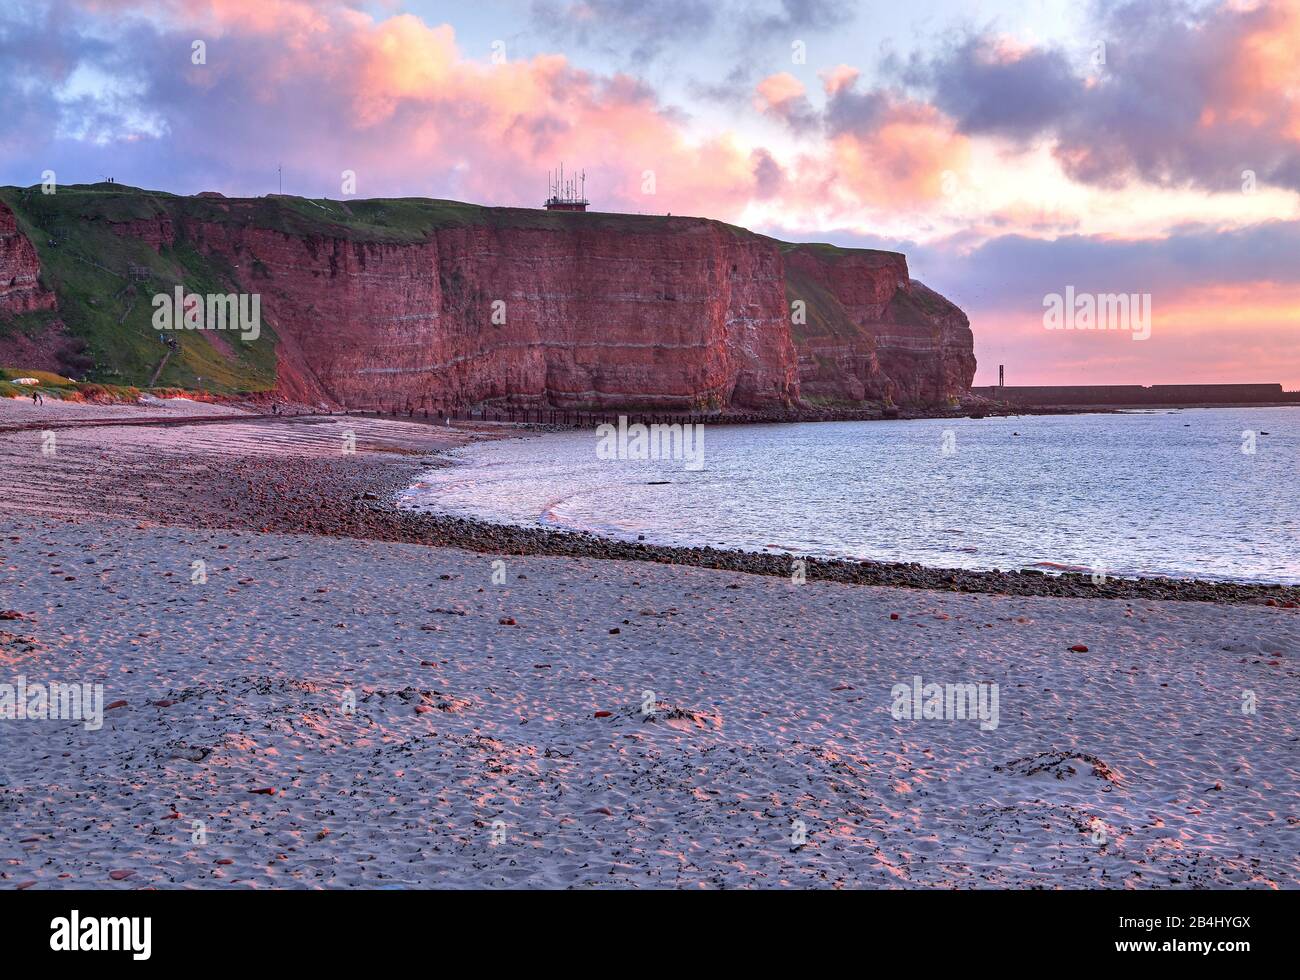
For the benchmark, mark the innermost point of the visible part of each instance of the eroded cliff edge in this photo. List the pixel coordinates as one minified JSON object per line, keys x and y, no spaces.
{"x":435,"y":304}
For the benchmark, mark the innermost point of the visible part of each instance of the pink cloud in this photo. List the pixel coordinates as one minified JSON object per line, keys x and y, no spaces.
{"x":838,"y":78}
{"x":324,"y":87}
{"x":776,"y":90}
{"x":327,"y":87}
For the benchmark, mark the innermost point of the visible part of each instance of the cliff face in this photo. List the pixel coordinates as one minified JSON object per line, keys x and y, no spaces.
{"x":875,"y":333}
{"x":691,"y":319}
{"x":429,"y":304}
{"x":20,"y":282}
{"x":42,"y":343}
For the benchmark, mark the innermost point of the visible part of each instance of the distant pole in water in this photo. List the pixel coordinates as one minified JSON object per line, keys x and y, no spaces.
{"x":1001,"y":377}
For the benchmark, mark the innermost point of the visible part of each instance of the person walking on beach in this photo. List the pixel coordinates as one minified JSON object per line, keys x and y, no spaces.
{"x":37,"y":397}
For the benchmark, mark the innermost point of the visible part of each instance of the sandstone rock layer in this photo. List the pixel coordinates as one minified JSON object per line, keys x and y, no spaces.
{"x":21,"y":290}
{"x":464,"y":306}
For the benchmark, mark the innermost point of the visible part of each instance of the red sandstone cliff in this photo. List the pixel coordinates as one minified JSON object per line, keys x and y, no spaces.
{"x":508,"y":306}
{"x":873,"y":332}
{"x":42,"y":346}
{"x":692,"y":318}
{"x":20,"y":283}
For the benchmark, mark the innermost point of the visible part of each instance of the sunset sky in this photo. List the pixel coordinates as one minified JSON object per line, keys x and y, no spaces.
{"x":1011,"y":149}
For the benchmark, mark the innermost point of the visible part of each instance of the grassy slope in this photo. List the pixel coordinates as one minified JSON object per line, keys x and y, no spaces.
{"x":88,"y":267}
{"x":53,"y":385}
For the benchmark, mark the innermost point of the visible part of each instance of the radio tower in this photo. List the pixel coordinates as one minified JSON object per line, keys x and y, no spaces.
{"x":566,"y":194}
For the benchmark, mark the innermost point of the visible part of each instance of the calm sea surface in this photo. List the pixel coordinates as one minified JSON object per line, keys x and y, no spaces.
{"x":1150,"y":493}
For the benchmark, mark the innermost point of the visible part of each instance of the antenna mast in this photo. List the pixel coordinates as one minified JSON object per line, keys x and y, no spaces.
{"x":566,"y":193}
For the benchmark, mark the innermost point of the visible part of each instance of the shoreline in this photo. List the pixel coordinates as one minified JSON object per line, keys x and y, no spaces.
{"x":287,"y":475}
{"x":493,"y":538}
{"x":350,"y":696}
{"x":17,"y":414}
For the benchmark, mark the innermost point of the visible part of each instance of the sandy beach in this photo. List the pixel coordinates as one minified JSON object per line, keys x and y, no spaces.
{"x":331,"y":711}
